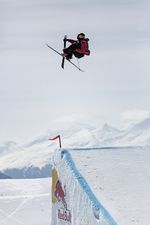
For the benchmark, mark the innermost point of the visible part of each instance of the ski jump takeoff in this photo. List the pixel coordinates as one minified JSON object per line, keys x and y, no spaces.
{"x":79,"y":48}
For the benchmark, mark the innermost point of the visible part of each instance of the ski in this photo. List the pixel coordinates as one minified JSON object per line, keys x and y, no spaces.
{"x":65,"y":58}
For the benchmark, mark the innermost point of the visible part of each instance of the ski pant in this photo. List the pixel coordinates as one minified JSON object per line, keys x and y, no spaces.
{"x":72,"y":50}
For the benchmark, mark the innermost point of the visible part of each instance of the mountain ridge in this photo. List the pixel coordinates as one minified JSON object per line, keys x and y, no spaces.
{"x":38,"y":152}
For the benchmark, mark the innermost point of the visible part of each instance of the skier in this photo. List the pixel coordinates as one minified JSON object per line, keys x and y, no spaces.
{"x":78,"y":47}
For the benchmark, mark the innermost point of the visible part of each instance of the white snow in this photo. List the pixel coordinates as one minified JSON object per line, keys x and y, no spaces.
{"x":25,"y":202}
{"x":120,"y":179}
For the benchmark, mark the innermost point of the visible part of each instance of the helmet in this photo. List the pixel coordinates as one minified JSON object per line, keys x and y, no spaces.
{"x":81,"y":36}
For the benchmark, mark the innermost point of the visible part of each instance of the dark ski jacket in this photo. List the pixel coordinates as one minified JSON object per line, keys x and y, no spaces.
{"x":82,"y":46}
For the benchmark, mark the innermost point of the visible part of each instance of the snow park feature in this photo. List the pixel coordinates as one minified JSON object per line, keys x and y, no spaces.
{"x":73,"y":202}
{"x":112,"y":190}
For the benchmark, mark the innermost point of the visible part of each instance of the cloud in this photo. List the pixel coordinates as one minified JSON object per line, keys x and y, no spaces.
{"x":73,"y":121}
{"x":131,"y":117}
{"x":70,"y":118}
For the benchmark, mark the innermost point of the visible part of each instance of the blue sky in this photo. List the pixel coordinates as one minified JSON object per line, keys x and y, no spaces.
{"x":35,"y":92}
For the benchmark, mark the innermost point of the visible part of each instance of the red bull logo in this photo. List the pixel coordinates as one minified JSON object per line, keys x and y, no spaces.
{"x":59,"y":196}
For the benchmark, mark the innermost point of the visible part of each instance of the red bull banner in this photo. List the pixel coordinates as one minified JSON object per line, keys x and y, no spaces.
{"x":61,"y":211}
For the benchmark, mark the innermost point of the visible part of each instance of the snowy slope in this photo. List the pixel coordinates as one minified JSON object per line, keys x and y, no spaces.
{"x":25,"y":202}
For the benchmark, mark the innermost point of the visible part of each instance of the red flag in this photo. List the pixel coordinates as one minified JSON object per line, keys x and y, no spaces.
{"x":54,"y":138}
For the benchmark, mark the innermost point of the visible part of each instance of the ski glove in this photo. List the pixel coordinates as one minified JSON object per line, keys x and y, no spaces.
{"x":65,"y":39}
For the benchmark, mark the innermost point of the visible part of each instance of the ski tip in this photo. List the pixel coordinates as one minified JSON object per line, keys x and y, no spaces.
{"x":81,"y":70}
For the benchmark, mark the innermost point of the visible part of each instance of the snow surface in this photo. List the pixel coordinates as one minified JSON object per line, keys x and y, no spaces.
{"x":120,"y":179}
{"x":25,"y":202}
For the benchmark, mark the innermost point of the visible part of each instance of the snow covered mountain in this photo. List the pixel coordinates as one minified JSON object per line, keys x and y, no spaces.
{"x":33,"y":158}
{"x":138,"y":135}
{"x":3,"y":176}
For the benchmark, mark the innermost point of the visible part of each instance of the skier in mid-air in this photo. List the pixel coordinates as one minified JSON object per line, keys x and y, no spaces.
{"x":78,"y":47}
